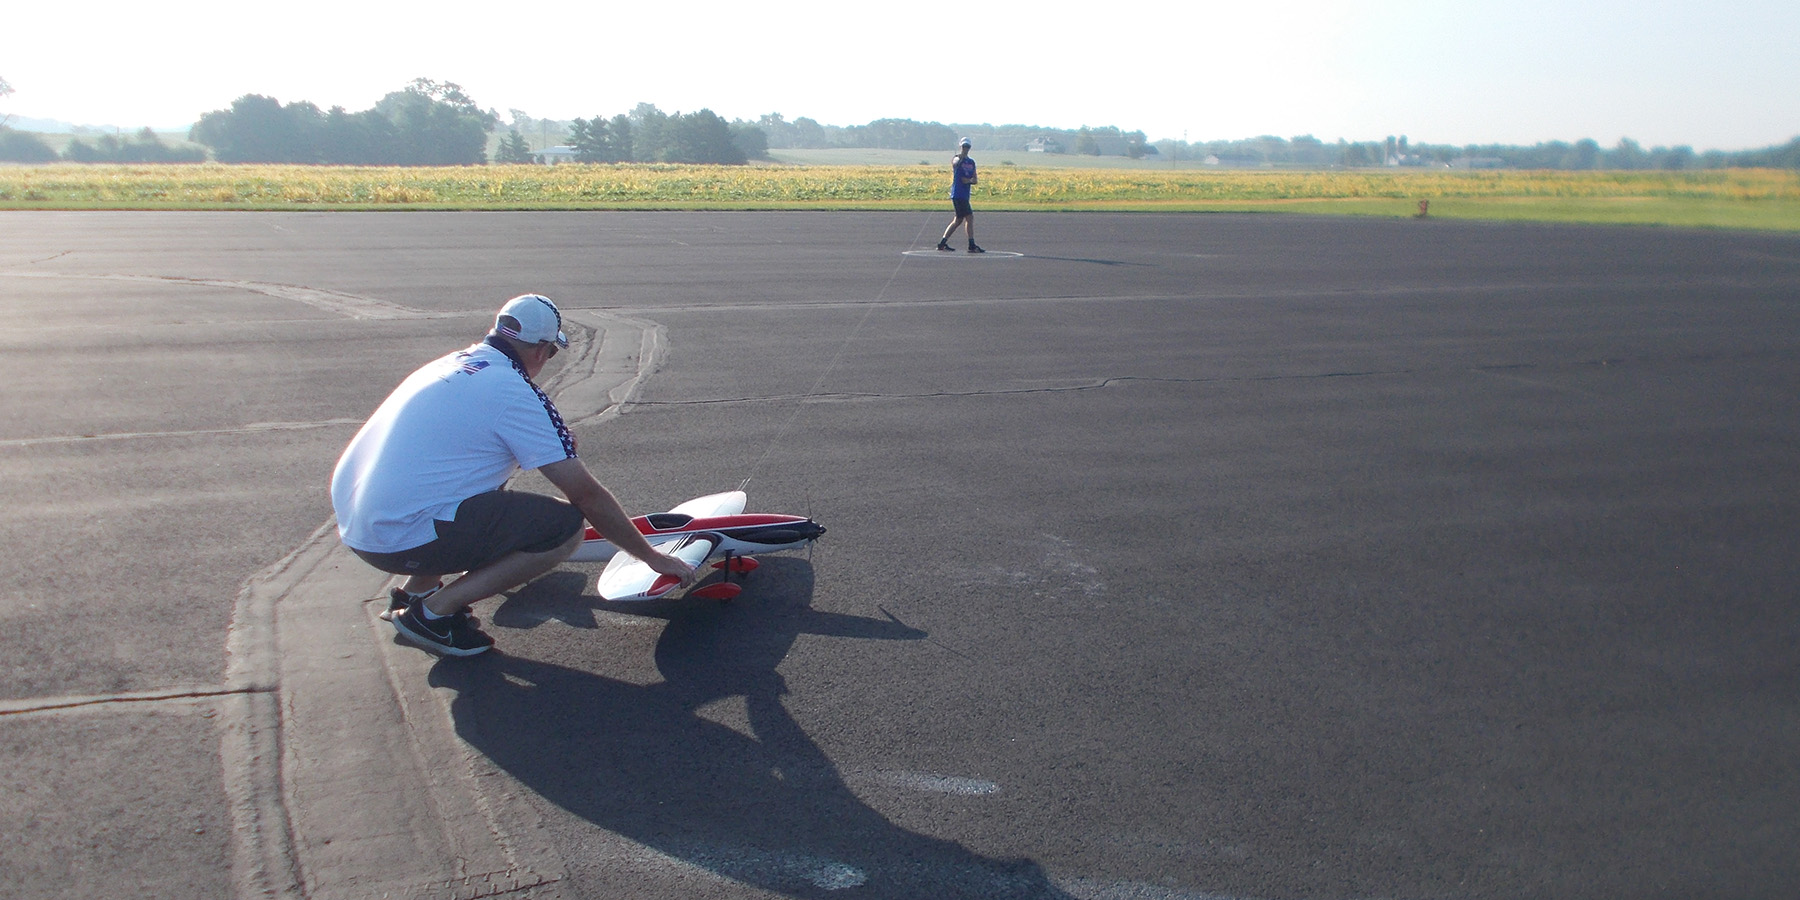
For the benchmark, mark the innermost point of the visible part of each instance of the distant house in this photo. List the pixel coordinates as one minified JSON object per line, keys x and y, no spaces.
{"x":550,"y":156}
{"x":1043,"y":145}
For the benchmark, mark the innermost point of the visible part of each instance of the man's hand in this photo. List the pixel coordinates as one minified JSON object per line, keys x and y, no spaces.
{"x":602,"y":510}
{"x":663,"y":564}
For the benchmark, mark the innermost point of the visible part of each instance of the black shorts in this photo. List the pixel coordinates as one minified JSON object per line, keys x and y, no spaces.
{"x":962,"y":207}
{"x":487,"y":527}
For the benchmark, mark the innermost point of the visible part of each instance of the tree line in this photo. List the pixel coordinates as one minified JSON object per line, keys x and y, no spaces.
{"x":435,"y":124}
{"x":1304,"y":151}
{"x":430,"y":123}
{"x":1307,"y":151}
{"x":427,"y":123}
{"x":905,"y":134}
{"x":143,"y":147}
{"x":646,"y":134}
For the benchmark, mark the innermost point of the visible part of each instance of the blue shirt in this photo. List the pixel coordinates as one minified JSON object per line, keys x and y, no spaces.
{"x":963,"y":172}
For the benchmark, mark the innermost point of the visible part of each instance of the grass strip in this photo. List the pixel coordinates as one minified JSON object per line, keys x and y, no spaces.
{"x":1761,"y":199}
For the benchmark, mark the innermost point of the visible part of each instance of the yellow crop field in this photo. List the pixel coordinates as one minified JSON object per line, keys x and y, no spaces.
{"x":1740,"y":198}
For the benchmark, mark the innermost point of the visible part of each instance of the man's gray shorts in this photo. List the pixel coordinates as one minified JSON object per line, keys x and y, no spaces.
{"x":487,"y":527}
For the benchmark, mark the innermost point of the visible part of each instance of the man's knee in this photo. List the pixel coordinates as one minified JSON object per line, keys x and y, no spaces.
{"x":567,"y":548}
{"x":544,"y":555}
{"x":570,"y":530}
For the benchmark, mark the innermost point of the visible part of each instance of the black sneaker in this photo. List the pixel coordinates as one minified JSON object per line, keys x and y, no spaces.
{"x":973,"y":248}
{"x":945,"y":247}
{"x":456,"y":635}
{"x":399,"y":600}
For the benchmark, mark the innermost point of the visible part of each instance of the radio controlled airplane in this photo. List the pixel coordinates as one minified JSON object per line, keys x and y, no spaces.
{"x":694,"y":532}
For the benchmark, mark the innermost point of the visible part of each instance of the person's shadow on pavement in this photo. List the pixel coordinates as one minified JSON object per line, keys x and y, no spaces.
{"x":768,"y":809}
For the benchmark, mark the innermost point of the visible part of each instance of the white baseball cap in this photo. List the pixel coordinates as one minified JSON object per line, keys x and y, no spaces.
{"x":536,"y":319}
{"x":965,"y":142}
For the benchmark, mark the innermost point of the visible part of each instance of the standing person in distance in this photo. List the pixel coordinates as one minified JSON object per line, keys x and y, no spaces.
{"x":962,"y":174}
{"x":421,"y":490}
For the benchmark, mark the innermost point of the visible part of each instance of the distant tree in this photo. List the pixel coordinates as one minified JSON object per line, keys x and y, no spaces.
{"x":750,"y":139}
{"x":901,"y":134}
{"x":1306,"y":150}
{"x":24,"y":147}
{"x":777,"y":131}
{"x":437,"y":125}
{"x":427,"y":123}
{"x":357,"y":139}
{"x":1267,"y":149}
{"x":79,"y":151}
{"x":650,"y":140}
{"x":1085,"y":143}
{"x":1786,"y":156}
{"x":1586,"y":154}
{"x":1628,"y":154}
{"x":513,"y":149}
{"x":620,"y":126}
{"x":1135,"y":143}
{"x":809,"y":134}
{"x":705,"y":138}
{"x":1674,"y":158}
{"x":451,"y":95}
{"x":1358,"y":154}
{"x":144,"y":147}
{"x":592,"y":141}
{"x":259,"y":129}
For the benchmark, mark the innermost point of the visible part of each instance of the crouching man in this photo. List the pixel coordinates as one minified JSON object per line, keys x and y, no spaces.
{"x":420,"y":491}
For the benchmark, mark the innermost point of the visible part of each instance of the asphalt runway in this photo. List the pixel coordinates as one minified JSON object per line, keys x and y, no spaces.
{"x":1173,"y":557}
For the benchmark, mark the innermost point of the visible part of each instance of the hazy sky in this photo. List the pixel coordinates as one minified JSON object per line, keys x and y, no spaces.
{"x":1711,"y":75}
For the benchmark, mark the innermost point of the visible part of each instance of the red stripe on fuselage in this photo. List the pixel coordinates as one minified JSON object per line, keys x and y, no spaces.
{"x":720,"y":523}
{"x":713,"y":523}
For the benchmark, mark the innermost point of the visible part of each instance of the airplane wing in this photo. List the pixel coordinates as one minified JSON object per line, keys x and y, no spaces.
{"x":594,"y":548}
{"x":728,"y":503}
{"x":626,"y":578}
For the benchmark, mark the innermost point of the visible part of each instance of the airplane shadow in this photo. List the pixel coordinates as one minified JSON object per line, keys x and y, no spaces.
{"x":766,"y":808}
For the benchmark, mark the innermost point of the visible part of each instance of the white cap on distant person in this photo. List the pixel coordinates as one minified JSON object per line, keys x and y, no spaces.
{"x":531,"y":318}
{"x":966,"y":143}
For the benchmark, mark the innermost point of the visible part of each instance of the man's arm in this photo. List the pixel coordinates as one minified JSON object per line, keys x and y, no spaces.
{"x":602,"y":510}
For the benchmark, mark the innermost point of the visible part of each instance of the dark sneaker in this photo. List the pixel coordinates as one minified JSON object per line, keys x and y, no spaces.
{"x":946,"y":247}
{"x":455,"y":635}
{"x":399,"y":600}
{"x":975,"y":249}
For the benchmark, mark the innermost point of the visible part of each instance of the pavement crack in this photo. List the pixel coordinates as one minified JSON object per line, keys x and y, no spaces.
{"x":252,"y":428}
{"x":351,"y":306}
{"x":33,"y":705}
{"x":1094,"y":385}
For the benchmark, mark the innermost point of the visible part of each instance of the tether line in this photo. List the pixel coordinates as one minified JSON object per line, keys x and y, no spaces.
{"x":843,"y":347}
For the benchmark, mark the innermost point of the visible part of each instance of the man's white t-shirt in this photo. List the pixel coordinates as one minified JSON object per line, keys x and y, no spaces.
{"x":457,"y":427}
